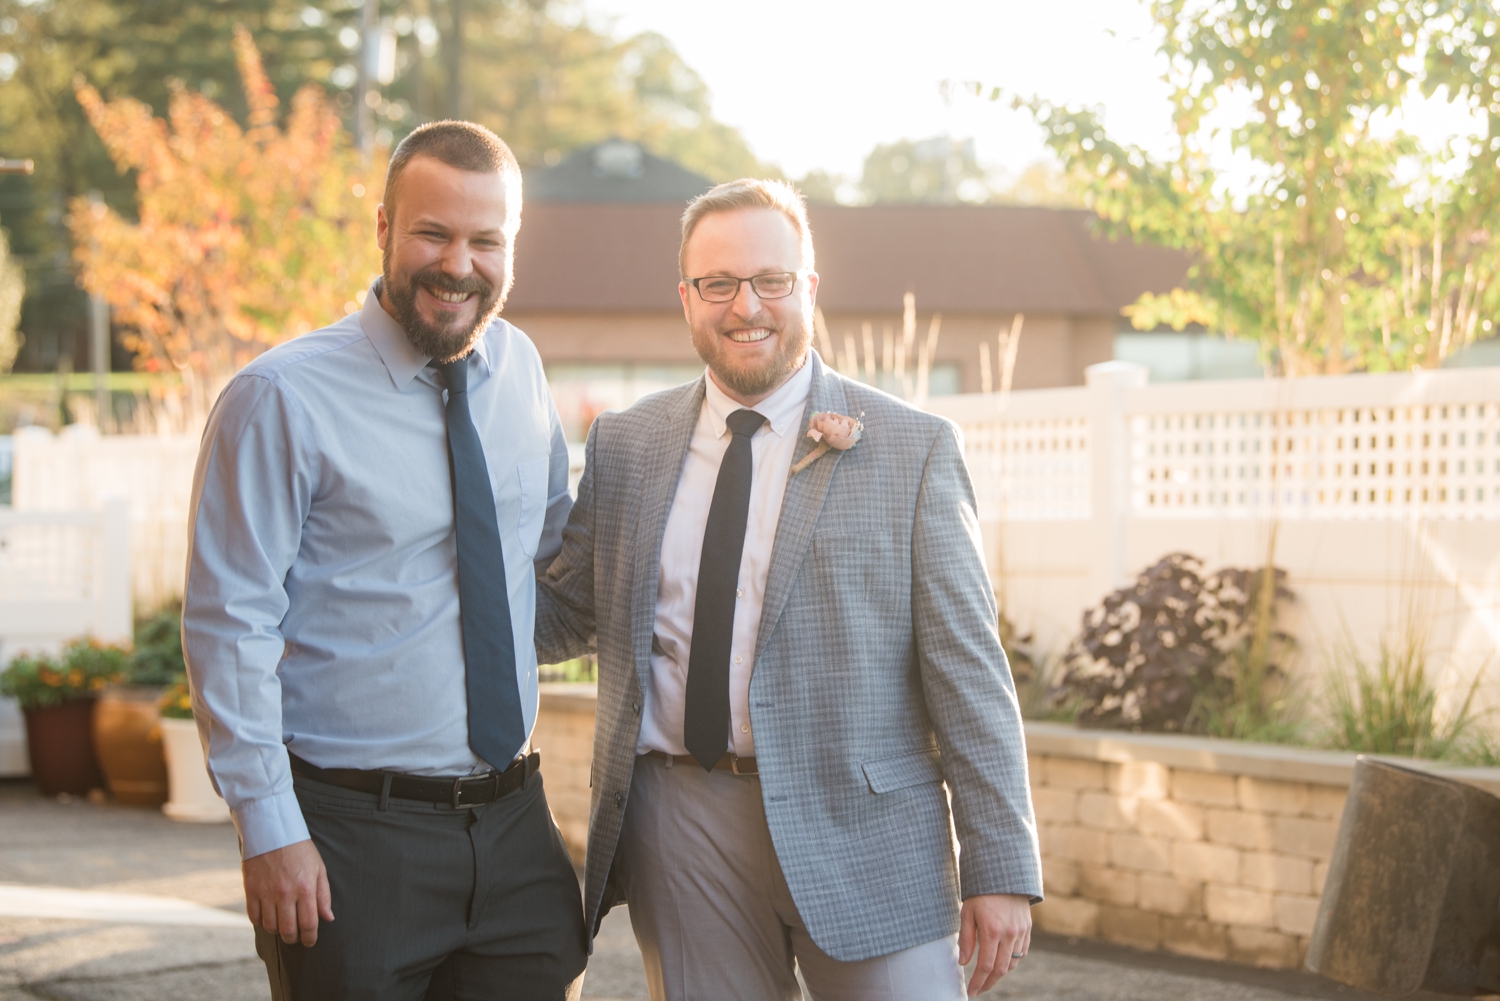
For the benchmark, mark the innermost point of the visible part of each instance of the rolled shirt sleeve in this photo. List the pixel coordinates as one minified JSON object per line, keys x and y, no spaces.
{"x":252,"y":490}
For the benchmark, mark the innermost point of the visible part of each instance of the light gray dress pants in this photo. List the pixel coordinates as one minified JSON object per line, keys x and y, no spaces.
{"x":712,"y":911}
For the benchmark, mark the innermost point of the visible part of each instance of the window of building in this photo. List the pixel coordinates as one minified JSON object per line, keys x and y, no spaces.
{"x":1174,"y":356}
{"x":585,"y":390}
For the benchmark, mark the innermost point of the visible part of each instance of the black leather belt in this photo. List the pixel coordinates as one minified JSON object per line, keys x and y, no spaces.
{"x":459,"y":791}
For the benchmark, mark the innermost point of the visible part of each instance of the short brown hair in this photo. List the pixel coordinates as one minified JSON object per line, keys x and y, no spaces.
{"x":464,"y":145}
{"x":749,"y":193}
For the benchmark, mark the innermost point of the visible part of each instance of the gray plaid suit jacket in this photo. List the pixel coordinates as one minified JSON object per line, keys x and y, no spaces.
{"x":879,"y":675}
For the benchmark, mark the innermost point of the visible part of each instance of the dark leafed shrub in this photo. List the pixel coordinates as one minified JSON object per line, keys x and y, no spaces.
{"x":1170,"y":650}
{"x":157,"y":657}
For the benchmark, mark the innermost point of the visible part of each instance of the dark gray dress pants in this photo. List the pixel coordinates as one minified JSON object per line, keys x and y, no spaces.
{"x":478,"y":904}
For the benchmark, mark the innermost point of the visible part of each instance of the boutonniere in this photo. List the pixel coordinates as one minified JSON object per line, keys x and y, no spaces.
{"x":830,"y":430}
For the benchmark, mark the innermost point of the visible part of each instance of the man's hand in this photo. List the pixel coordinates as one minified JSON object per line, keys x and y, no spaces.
{"x":999,"y":924}
{"x":286,"y":891}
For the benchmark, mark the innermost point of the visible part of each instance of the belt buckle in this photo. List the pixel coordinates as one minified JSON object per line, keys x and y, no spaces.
{"x":734,"y":765}
{"x":458,"y":792}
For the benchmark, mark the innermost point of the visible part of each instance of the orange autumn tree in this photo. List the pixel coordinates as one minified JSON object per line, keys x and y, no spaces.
{"x":247,"y":237}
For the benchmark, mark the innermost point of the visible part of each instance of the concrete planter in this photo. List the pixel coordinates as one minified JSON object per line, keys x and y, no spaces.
{"x":192,"y":799}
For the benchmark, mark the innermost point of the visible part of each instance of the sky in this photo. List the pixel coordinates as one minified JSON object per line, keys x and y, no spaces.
{"x":816,"y":84}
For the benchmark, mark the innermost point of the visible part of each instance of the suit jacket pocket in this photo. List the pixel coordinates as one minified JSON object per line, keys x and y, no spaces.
{"x":902,"y":770}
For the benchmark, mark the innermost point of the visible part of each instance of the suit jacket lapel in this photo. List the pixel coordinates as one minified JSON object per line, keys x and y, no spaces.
{"x":663,"y":459}
{"x":802,"y":502}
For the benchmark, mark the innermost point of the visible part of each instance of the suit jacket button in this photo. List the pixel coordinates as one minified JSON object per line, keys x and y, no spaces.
{"x":619,"y":800}
{"x":636,"y":706}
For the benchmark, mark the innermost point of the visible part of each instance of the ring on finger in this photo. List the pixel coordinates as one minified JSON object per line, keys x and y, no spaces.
{"x":1018,"y":955}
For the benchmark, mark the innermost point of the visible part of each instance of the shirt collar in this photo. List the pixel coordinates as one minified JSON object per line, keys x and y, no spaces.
{"x":782,"y":409}
{"x":403,"y":361}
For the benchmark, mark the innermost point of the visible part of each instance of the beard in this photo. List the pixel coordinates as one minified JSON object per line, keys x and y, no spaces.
{"x":443,"y":341}
{"x":755,"y":378}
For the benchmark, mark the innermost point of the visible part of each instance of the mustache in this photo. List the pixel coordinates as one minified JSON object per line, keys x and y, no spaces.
{"x":766,"y":321}
{"x":434,"y":277}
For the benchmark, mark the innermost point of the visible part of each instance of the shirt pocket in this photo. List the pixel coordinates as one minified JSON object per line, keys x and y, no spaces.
{"x":533,"y":481}
{"x":903,"y":770}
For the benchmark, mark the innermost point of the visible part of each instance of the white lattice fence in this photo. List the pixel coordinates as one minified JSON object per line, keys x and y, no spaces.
{"x":1384,"y":492}
{"x":63,"y":574}
{"x":154,"y":473}
{"x":1030,"y":457}
{"x":1396,"y":446}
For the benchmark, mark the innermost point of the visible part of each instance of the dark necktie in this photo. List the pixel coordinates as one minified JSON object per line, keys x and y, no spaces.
{"x":705,"y":722}
{"x":496,"y":727}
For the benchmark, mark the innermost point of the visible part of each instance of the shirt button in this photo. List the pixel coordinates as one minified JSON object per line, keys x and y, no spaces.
{"x":744,"y":728}
{"x":738,"y":659}
{"x":739,"y":592}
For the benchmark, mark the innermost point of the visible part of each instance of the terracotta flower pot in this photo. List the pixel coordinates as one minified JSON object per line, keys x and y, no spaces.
{"x":193,"y":798}
{"x":61,"y":742}
{"x":127,"y":737}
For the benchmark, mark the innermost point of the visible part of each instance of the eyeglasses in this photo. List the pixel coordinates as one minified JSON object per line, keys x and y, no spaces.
{"x":722,"y":288}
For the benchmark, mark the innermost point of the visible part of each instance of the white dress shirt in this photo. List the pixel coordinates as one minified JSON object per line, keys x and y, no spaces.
{"x":771,"y":450}
{"x":321,"y":610}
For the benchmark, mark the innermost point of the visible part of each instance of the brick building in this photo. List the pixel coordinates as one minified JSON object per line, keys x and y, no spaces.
{"x":596,"y":282}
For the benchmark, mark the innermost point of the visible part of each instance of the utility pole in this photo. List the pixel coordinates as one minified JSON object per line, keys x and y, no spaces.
{"x":99,"y":343}
{"x":453,"y":53}
{"x":364,"y":114}
{"x":377,"y":67}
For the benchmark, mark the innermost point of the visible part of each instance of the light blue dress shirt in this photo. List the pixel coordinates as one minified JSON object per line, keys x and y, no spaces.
{"x":321,"y":609}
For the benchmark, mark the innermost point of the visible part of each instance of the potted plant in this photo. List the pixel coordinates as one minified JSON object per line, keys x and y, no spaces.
{"x":127,"y":728}
{"x":192,"y":796}
{"x":58,"y":697}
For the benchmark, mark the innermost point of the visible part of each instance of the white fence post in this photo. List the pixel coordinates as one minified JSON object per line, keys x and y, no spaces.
{"x":114,"y":615}
{"x":1109,"y":455}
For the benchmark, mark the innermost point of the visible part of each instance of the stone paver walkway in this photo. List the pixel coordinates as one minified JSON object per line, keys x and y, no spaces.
{"x":99,"y":952}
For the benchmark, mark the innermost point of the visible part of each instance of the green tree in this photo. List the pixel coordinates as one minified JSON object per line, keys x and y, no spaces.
{"x":144,"y":49}
{"x":821,"y":186}
{"x":246,"y":237}
{"x":539,"y":73}
{"x":1326,"y":255}
{"x":890,"y":177}
{"x":1041,"y":182}
{"x":935,"y":171}
{"x":545,"y":78}
{"x":12,"y":291}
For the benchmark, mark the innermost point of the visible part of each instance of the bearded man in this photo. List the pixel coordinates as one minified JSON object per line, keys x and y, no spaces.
{"x":368,"y":503}
{"x":797,"y":653}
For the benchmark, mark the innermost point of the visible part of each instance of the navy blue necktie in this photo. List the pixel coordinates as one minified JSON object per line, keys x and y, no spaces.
{"x":705,"y":722}
{"x":497,"y":729}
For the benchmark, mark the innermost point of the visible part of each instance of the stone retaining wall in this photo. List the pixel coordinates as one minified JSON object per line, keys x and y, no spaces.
{"x":1208,"y":848}
{"x":1211,"y":864}
{"x":564,"y":734}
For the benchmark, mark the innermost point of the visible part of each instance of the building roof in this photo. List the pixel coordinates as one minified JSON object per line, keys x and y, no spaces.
{"x":613,"y":171}
{"x":596,"y":257}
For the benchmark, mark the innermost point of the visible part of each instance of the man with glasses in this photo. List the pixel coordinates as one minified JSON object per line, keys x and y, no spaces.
{"x":797,"y":651}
